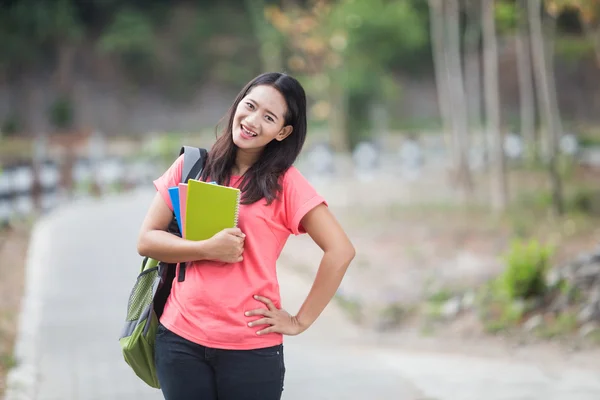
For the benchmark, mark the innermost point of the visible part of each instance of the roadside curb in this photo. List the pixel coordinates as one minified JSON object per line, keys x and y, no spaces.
{"x":22,"y":380}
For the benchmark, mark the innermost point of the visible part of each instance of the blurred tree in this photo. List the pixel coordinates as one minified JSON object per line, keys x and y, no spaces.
{"x":499,"y":186}
{"x":32,"y":29}
{"x":130,"y":37}
{"x":437,"y":28}
{"x":346,"y":52}
{"x":445,"y":31}
{"x":541,"y":44}
{"x":472,"y":61}
{"x":270,"y":40}
{"x":526,"y":88}
{"x":19,"y":52}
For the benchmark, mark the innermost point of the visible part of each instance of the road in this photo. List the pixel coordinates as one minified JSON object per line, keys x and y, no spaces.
{"x":82,"y":264}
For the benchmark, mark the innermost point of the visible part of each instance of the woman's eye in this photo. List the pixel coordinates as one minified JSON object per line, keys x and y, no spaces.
{"x":270,"y":119}
{"x":250,"y":105}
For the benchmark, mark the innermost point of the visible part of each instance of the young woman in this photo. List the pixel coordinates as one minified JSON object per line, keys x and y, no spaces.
{"x":222,"y":329}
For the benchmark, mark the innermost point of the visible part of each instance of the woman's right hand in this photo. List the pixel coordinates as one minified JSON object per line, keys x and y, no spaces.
{"x":226,"y":246}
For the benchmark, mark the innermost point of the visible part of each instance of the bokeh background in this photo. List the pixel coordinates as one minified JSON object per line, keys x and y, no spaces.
{"x":457,"y":141}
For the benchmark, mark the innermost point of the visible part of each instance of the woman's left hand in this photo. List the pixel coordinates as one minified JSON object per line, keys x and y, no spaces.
{"x":280,"y":321}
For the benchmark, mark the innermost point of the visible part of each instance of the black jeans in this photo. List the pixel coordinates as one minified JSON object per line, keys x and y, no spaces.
{"x":189,"y":371}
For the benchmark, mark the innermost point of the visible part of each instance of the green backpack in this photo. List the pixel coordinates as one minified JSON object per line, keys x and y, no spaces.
{"x":151,"y":290}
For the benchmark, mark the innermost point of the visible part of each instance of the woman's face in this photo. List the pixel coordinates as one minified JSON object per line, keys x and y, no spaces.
{"x":259,"y":118}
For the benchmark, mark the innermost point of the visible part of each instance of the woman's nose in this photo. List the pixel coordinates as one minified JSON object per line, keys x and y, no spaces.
{"x":251,"y":120}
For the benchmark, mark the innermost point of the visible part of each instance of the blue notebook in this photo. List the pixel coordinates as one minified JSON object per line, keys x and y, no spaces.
{"x":174,"y":194}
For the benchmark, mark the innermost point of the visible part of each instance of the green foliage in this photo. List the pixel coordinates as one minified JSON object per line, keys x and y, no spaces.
{"x":507,"y":16}
{"x":7,"y":361}
{"x":563,"y":324}
{"x":588,"y":141}
{"x":27,"y":26}
{"x":61,"y":113}
{"x":163,"y":148}
{"x":10,"y":126}
{"x":353,"y":307}
{"x":524,"y":275}
{"x":585,"y":201}
{"x":130,"y":32}
{"x":380,"y":36}
{"x":131,"y":37}
{"x":440,"y":296}
{"x":503,"y":316}
{"x":395,"y":313}
{"x":579,"y":200}
{"x":574,"y":48}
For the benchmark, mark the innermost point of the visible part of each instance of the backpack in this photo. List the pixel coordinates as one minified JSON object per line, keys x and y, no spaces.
{"x":151,"y":290}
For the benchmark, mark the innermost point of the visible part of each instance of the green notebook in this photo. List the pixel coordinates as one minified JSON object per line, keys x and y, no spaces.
{"x":210,"y":208}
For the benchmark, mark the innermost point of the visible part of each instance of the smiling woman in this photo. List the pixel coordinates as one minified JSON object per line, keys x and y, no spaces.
{"x":221,"y":332}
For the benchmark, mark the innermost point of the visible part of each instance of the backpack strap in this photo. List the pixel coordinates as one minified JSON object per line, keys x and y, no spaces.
{"x":194,"y":159}
{"x":193,"y":162}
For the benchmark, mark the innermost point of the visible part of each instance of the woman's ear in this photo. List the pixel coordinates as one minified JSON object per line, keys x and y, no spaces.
{"x":285,"y":132}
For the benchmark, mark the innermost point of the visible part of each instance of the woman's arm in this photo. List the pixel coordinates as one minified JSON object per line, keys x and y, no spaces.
{"x":155,"y":242}
{"x":327,"y":233}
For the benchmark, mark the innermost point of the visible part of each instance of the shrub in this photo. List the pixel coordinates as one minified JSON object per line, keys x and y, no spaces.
{"x":526,"y":267}
{"x":10,"y":126}
{"x":61,"y":113}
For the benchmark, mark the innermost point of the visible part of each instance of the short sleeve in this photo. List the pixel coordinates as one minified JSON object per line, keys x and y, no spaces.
{"x":170,"y":178}
{"x":299,"y":197}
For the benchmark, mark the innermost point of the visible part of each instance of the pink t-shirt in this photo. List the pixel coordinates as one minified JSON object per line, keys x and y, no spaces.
{"x":208,"y":306}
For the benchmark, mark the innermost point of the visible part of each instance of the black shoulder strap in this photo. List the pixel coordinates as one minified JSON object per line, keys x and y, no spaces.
{"x":194,"y":159}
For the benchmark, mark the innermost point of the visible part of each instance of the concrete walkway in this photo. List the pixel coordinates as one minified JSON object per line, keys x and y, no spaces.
{"x":81,"y":267}
{"x":82,"y":264}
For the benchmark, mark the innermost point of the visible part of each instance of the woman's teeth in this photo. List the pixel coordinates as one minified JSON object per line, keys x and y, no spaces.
{"x":247,"y":132}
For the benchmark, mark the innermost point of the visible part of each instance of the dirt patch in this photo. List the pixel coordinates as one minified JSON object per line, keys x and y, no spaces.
{"x":13,"y":249}
{"x":406,"y":254}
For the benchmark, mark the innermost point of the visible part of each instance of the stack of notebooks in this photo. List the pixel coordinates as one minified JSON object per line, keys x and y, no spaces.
{"x":203,"y":209}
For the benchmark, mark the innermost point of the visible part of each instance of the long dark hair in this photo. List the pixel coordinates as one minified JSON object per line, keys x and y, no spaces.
{"x":262,"y":180}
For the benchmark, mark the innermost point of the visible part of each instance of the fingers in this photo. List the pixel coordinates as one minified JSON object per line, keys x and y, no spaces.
{"x":270,"y":329}
{"x":262,"y":321}
{"x":235,"y":232}
{"x":259,"y":311}
{"x":268,"y":302}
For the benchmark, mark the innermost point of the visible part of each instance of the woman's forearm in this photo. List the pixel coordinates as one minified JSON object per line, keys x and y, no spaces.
{"x":329,"y":276}
{"x":166,"y":247}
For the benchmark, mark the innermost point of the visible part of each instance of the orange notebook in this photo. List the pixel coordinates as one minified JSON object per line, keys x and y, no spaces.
{"x":183,"y":189}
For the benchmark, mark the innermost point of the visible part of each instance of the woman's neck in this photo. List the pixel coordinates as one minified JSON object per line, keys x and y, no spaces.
{"x":244,"y":159}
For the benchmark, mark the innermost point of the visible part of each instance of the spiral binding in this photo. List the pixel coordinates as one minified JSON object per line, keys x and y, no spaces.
{"x":237,"y":209}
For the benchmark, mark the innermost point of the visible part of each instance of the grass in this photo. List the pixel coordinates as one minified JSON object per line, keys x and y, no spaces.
{"x":558,"y":326}
{"x":13,"y":248}
{"x":14,"y":148}
{"x":351,"y":307}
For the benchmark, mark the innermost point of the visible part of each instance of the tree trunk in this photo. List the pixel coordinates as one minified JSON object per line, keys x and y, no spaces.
{"x":473,"y":64}
{"x":457,"y":94}
{"x":594,"y":36}
{"x":541,"y":66}
{"x":436,"y":12}
{"x":526,"y":90}
{"x":64,"y":68}
{"x":499,"y":187}
{"x":267,"y":35}
{"x":338,"y":132}
{"x":549,"y":33}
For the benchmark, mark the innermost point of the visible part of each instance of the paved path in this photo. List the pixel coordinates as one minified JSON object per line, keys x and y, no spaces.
{"x":82,"y":264}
